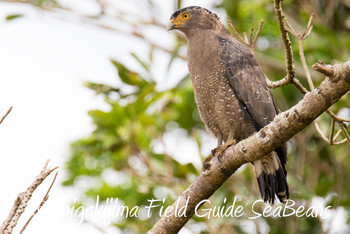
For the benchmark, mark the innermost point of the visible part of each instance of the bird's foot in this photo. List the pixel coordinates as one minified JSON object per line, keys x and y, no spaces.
{"x":221,"y":148}
{"x":213,"y":153}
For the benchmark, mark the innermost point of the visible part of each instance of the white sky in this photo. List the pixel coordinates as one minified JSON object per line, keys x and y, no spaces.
{"x":44,"y":61}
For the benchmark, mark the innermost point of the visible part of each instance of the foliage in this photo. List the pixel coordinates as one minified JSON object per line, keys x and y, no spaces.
{"x":126,"y":137}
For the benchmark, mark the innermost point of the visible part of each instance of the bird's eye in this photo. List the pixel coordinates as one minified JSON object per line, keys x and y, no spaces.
{"x":185,"y":16}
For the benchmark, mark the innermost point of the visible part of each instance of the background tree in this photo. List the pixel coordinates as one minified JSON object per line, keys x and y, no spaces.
{"x":129,"y":141}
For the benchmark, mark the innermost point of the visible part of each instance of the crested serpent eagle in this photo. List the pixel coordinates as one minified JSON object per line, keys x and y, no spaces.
{"x":231,"y":93}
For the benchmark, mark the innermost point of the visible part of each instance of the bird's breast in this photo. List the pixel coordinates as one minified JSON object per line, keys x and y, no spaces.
{"x":217,"y":103}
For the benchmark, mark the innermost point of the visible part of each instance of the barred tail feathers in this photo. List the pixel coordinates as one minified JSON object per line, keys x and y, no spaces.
{"x":271,"y":178}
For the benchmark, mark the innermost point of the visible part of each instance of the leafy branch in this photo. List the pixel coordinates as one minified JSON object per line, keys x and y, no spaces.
{"x":285,"y":27}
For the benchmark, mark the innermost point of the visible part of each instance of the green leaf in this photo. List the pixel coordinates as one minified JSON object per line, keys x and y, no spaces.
{"x":14,"y":16}
{"x":129,"y":77}
{"x":142,"y":63}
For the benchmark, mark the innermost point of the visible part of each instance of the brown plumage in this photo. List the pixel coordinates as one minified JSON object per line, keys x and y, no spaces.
{"x":231,"y":92}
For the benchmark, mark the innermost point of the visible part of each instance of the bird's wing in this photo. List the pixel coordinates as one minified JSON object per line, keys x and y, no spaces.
{"x":250,"y":87}
{"x":248,"y":82}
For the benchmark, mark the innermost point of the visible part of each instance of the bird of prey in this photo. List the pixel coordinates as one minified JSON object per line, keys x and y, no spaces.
{"x":231,"y":92}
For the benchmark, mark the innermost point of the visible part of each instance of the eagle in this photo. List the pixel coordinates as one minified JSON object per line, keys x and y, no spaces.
{"x":231,"y":93}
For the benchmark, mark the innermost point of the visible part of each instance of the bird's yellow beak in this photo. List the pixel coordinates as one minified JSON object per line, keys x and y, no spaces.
{"x":171,"y":25}
{"x":177,"y":21}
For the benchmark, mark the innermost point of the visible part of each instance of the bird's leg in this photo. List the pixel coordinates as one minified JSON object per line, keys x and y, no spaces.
{"x":215,"y":150}
{"x":219,"y":150}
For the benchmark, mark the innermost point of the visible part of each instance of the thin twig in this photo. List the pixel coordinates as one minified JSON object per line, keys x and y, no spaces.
{"x":93,"y":20}
{"x":291,"y":29}
{"x":332,"y":132}
{"x":337,"y":134}
{"x":286,"y":41}
{"x":258,"y":32}
{"x":337,"y":118}
{"x":246,"y":37}
{"x":340,"y":142}
{"x":284,"y":27}
{"x":8,"y":112}
{"x":251,"y":42}
{"x":346,"y":134}
{"x":299,"y":86}
{"x":308,"y":27}
{"x":278,"y":83}
{"x":323,"y":136}
{"x":236,"y":33}
{"x":301,"y":37}
{"x":45,"y":198}
{"x":303,"y":62}
{"x":285,"y":81}
{"x":318,"y":129}
{"x":251,"y":36}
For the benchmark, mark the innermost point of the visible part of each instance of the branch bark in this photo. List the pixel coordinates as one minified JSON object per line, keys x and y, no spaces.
{"x":282,"y":128}
{"x":22,"y":200}
{"x":45,"y":198}
{"x":286,"y":42}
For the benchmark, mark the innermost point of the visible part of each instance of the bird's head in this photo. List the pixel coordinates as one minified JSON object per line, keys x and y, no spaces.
{"x":194,"y":18}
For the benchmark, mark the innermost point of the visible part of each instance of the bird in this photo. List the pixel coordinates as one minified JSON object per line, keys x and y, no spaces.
{"x":231,"y":92}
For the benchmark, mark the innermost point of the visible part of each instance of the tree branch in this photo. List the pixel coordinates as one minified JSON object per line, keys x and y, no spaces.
{"x":23,"y":199}
{"x":280,"y":130}
{"x":251,"y":42}
{"x":322,"y":68}
{"x":8,"y":112}
{"x":286,"y":42}
{"x":45,"y":198}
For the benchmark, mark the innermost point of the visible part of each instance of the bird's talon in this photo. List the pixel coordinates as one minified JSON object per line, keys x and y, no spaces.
{"x":216,"y":151}
{"x":213,"y":151}
{"x":219,"y":157}
{"x":219,"y":153}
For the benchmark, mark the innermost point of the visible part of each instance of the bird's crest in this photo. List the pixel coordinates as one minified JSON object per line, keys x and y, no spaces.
{"x":193,"y":8}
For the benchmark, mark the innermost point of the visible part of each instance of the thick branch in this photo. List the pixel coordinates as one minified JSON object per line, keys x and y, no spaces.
{"x":284,"y":126}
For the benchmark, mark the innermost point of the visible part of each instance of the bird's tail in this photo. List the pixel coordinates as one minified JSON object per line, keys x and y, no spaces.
{"x":271,"y":178}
